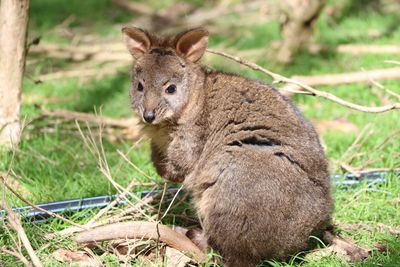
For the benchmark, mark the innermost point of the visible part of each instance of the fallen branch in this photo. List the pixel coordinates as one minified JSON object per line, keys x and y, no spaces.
{"x":114,"y":129}
{"x":344,"y":78}
{"x":308,"y":89}
{"x":392,"y":62}
{"x":99,"y":52}
{"x":141,"y":230}
{"x":89,"y":117}
{"x":96,"y":72}
{"x":358,"y":49}
{"x":86,"y":50}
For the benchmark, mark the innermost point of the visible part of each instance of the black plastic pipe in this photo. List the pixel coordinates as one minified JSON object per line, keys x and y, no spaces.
{"x":73,"y":205}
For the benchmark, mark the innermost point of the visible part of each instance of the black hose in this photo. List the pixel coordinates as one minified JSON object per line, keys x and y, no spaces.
{"x":32,"y":215}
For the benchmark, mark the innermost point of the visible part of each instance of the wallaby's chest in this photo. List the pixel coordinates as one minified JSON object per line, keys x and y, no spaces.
{"x":177,"y":150}
{"x":185,"y":146}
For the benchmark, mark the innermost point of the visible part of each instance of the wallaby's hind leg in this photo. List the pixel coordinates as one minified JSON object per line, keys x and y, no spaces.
{"x":196,"y":235}
{"x":250,"y":214}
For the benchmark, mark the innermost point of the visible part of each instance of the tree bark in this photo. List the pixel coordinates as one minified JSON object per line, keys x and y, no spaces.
{"x":13,"y":29}
{"x":297,"y":22}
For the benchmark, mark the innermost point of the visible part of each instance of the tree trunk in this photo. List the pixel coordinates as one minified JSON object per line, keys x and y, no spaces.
{"x":13,"y":29}
{"x":297,"y":22}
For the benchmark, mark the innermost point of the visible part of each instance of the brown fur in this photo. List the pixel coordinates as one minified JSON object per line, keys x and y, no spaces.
{"x":253,"y":163}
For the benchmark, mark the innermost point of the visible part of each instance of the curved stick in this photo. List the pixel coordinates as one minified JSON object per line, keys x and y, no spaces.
{"x":145,"y":230}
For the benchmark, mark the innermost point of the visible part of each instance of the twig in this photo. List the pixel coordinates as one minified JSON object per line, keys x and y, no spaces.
{"x":357,"y":144}
{"x":17,"y":226}
{"x":17,"y":255}
{"x":172,"y":202}
{"x":158,"y":218}
{"x":308,"y":89}
{"x":347,"y":168}
{"x":380,"y":86}
{"x":136,"y":167}
{"x":365,"y":131}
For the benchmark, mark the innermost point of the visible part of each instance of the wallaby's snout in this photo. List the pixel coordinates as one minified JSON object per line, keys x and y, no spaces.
{"x":149,"y":116}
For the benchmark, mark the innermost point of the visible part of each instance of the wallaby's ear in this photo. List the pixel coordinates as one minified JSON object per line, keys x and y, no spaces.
{"x":137,"y":41}
{"x":192,"y":44}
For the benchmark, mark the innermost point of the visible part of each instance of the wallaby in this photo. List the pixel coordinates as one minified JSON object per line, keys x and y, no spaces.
{"x":254,"y":165}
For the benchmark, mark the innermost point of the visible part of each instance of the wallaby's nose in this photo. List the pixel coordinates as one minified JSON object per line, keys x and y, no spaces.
{"x":149,"y":116}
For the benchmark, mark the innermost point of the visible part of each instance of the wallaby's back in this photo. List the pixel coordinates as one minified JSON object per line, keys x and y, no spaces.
{"x":261,"y":184}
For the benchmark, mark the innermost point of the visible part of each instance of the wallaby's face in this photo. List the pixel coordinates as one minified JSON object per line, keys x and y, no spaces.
{"x":160,"y":88}
{"x":162,"y":75}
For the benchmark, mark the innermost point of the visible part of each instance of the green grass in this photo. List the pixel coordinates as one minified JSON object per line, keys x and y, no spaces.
{"x":56,"y":166}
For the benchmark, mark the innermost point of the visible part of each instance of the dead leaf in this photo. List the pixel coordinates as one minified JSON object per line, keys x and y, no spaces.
{"x":381,"y":247}
{"x":345,"y":248}
{"x":338,"y":124}
{"x":175,"y":258}
{"x":79,"y":258}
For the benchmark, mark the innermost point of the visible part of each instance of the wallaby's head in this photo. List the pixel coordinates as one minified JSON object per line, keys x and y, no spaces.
{"x":165,"y":73}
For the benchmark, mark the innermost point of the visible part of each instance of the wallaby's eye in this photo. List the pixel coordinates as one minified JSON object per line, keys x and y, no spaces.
{"x":140,"y":87}
{"x":171,"y":89}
